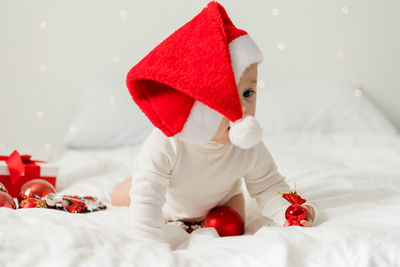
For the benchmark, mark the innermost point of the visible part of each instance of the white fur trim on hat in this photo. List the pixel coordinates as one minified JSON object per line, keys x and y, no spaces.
{"x":244,"y":52}
{"x":203,"y":122}
{"x":201,"y":125}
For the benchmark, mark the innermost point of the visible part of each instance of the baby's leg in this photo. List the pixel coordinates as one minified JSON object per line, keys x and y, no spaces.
{"x":237,"y":202}
{"x":120,"y":195}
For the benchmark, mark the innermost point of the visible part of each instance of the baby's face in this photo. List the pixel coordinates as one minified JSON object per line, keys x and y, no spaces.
{"x":247,"y":88}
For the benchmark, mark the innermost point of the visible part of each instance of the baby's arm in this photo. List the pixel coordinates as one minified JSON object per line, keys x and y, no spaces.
{"x":264,"y":182}
{"x":150,"y":179}
{"x":147,"y":196}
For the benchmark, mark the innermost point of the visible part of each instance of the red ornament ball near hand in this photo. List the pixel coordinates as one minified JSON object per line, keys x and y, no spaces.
{"x":6,"y":200}
{"x":225,"y":220}
{"x":295,"y":214}
{"x":37,"y":188}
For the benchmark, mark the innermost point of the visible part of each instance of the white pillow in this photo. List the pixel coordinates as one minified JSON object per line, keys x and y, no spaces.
{"x":107,"y":117}
{"x":319,"y":107}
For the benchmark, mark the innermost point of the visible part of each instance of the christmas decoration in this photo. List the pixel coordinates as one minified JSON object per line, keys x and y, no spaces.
{"x":74,"y":204}
{"x":16,"y":170}
{"x":186,"y":92}
{"x":32,"y":202}
{"x":36,"y":188}
{"x":6,"y":200}
{"x":3,"y":188}
{"x":295,"y":213}
{"x":225,"y":220}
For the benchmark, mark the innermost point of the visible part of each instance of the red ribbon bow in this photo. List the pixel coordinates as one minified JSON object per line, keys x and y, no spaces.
{"x":16,"y":165}
{"x":293,"y":198}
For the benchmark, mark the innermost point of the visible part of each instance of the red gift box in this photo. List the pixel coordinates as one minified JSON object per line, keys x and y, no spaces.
{"x":16,"y":170}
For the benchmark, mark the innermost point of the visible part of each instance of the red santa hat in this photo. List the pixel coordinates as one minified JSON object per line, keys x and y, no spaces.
{"x":187,"y":83}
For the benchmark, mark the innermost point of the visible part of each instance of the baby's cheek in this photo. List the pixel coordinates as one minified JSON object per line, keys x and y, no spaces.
{"x":222,"y":135}
{"x":225,"y":122}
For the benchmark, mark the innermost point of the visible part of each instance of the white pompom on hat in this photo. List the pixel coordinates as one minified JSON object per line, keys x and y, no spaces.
{"x":188,"y":83}
{"x":245,"y":133}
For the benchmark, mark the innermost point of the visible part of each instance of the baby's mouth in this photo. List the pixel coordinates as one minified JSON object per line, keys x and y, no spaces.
{"x":229,"y":128}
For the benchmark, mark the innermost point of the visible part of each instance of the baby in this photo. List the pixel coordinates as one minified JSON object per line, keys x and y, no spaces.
{"x":198,"y":88}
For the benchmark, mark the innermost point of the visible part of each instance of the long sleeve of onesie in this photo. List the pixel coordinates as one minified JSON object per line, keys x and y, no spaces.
{"x":264,"y":183}
{"x":150,"y":179}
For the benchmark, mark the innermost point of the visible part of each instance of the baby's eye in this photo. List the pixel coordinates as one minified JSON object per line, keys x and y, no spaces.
{"x":248,"y":93}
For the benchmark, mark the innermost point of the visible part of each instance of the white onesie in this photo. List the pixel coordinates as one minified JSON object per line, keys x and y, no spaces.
{"x":173,"y":179}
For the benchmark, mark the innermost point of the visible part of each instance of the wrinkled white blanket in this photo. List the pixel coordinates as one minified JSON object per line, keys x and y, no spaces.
{"x":353,"y":182}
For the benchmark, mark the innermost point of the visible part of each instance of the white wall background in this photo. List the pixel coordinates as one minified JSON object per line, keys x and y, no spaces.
{"x":50,"y":50}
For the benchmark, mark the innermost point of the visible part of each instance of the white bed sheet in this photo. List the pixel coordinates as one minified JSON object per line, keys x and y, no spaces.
{"x":354,"y":183}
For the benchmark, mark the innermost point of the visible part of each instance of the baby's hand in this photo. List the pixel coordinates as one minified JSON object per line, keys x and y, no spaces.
{"x":308,"y":222}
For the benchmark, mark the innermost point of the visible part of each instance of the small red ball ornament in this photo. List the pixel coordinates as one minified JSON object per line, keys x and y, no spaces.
{"x":37,"y":188}
{"x":295,"y":213}
{"x":225,"y":220}
{"x":6,"y":200}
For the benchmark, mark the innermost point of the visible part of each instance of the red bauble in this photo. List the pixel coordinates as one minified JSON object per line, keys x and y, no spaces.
{"x":6,"y":200}
{"x":295,"y":213}
{"x":32,"y":202}
{"x":36,"y":188}
{"x":225,"y":220}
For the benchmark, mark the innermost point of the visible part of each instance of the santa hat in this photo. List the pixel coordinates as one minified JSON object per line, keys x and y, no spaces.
{"x":187,"y":83}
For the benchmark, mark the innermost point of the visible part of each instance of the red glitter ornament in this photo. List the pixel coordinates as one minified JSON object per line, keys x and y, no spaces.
{"x":295,"y":213}
{"x":225,"y":220}
{"x":6,"y":200}
{"x":37,"y":188}
{"x":32,"y":202}
{"x":74,"y":204}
